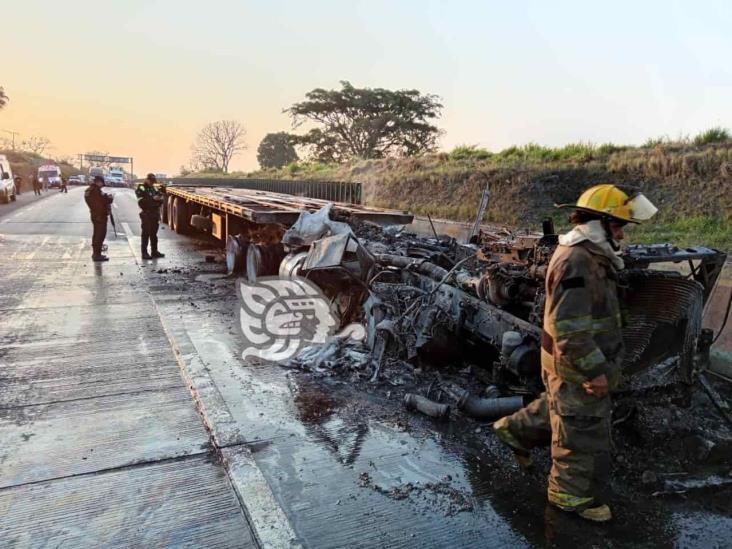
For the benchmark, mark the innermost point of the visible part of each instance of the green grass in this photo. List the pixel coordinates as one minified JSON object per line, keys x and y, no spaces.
{"x":712,"y":135}
{"x":713,"y":232}
{"x":469,"y":152}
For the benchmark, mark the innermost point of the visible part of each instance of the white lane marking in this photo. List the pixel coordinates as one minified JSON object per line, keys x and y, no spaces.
{"x":35,"y":251}
{"x":127,"y":229}
{"x":115,"y":205}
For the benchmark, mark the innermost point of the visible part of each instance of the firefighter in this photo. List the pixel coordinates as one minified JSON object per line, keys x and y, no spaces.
{"x":99,"y":204}
{"x":149,"y":199}
{"x":581,"y":352}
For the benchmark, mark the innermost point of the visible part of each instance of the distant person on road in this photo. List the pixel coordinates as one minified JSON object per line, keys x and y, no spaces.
{"x":36,"y":186}
{"x":64,"y":188}
{"x":17,"y":179}
{"x":149,"y":199}
{"x":99,"y":204}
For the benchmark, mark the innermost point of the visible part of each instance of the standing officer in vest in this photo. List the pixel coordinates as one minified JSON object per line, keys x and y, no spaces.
{"x":99,"y":204}
{"x":581,"y":354}
{"x":149,"y":199}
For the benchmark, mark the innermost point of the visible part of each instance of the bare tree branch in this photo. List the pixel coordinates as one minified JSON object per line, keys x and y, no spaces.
{"x":35,"y":144}
{"x":216,"y":144}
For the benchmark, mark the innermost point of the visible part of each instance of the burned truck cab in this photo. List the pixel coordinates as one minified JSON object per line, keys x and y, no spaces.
{"x":484,"y":305}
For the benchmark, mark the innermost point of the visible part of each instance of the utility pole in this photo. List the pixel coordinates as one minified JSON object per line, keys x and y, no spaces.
{"x":13,"y":134}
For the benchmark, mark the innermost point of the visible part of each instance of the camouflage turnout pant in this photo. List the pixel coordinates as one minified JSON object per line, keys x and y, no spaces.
{"x":578,"y":426}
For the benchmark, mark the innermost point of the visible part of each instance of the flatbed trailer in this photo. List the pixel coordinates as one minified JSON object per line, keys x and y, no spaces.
{"x":246,"y":218}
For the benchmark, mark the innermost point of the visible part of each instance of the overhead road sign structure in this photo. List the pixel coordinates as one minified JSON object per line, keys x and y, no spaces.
{"x":107,"y":159}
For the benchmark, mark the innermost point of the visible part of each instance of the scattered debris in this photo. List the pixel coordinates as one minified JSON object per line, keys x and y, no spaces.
{"x":433,"y":493}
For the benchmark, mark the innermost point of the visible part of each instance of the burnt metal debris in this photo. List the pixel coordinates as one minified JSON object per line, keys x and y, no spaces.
{"x":429,"y":302}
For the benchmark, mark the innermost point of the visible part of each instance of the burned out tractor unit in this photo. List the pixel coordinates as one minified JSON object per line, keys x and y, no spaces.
{"x":438,"y":301}
{"x":432,"y":302}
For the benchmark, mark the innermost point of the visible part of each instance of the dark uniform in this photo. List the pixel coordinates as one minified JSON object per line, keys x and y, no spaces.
{"x":99,"y":204}
{"x":149,"y":199}
{"x":582,"y":340}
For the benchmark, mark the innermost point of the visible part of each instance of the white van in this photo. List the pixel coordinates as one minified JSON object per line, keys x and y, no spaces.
{"x":49,"y":175}
{"x":7,"y":185}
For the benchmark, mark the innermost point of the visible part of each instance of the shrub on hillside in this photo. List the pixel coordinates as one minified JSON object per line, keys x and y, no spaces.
{"x":712,"y":135}
{"x":469,"y":152}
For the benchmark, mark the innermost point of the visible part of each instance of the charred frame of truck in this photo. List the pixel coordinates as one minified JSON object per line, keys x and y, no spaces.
{"x":419,"y":296}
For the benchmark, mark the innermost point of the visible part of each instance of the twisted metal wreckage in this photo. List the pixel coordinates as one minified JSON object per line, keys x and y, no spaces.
{"x":434,"y":301}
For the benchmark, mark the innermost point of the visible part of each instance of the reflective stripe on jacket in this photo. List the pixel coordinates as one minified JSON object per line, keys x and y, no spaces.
{"x":146,"y":198}
{"x":582,"y":336}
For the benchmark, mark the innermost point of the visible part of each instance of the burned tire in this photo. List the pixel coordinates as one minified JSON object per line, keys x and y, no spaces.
{"x":180,"y":216}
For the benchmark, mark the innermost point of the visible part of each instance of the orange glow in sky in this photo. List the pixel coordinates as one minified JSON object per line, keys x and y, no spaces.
{"x":139,"y":78}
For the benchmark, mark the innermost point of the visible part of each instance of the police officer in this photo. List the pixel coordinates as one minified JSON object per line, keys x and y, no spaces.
{"x":99,"y":204}
{"x":149,"y":199}
{"x":581,"y":354}
{"x":17,"y":180}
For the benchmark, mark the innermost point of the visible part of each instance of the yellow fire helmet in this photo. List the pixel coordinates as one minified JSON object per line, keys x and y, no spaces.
{"x":615,"y":203}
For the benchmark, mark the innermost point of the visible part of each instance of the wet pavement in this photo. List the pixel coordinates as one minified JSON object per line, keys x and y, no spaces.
{"x":319,"y":462}
{"x":349,"y":467}
{"x":100,"y":441}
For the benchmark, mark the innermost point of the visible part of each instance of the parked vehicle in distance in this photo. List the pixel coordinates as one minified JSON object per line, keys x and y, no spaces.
{"x":93,"y":172}
{"x":117,"y":177}
{"x":78,"y":179}
{"x":7,"y":185}
{"x":49,"y":175}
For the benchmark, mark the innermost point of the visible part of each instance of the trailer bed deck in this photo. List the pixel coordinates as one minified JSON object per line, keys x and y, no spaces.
{"x":268,"y":207}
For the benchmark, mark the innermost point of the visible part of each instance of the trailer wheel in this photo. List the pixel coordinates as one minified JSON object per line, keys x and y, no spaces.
{"x":180,"y":215}
{"x":171,"y":218}
{"x":236,"y":253}
{"x":264,"y":260}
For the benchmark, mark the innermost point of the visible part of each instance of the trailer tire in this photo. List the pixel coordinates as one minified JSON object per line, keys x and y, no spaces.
{"x":180,"y":215}
{"x":236,"y":254}
{"x":264,"y":260}
{"x":171,"y":218}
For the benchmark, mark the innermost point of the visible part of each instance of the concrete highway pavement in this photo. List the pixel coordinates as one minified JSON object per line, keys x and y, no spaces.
{"x":100,"y":441}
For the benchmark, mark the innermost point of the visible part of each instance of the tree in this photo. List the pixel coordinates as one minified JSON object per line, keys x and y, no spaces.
{"x":367,"y":123}
{"x":276,"y":150}
{"x":3,"y":98}
{"x":216,"y":144}
{"x":35,"y":144}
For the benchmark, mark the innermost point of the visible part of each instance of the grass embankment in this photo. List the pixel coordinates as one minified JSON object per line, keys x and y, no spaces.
{"x":689,"y":180}
{"x":25,"y":164}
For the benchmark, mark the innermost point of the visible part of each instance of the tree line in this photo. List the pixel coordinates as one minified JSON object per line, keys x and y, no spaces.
{"x":341,"y":124}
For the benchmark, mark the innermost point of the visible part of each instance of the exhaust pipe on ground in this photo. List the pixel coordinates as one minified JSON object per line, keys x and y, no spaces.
{"x":427,"y":406}
{"x":489,"y":409}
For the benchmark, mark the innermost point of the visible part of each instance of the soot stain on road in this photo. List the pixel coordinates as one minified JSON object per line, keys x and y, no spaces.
{"x":456,"y":474}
